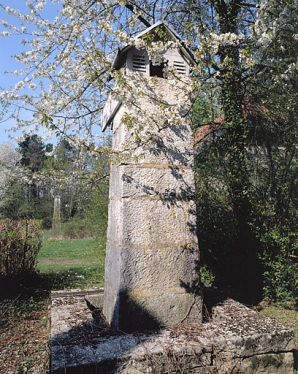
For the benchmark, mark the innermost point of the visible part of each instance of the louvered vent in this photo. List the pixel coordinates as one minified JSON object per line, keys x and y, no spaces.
{"x":180,"y":67}
{"x":139,"y":63}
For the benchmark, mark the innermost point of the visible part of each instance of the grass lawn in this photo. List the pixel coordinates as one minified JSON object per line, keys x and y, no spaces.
{"x":72,"y":263}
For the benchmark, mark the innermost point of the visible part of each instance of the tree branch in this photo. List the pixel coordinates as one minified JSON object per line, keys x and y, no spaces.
{"x":249,"y":5}
{"x":142,"y":19}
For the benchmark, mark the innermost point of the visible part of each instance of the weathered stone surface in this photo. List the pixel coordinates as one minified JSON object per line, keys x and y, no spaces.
{"x":94,"y":301}
{"x":152,"y":223}
{"x":69,"y":310}
{"x":151,"y":138}
{"x":248,"y":343}
{"x":262,"y":334}
{"x":152,"y":180}
{"x":136,"y":270}
{"x":132,"y":288}
{"x":151,"y":275}
{"x":164,"y":149}
{"x":149,"y":309}
{"x":270,"y":363}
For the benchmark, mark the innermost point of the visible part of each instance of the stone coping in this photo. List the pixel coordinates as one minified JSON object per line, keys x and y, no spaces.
{"x":76,"y":293}
{"x":237,"y":338}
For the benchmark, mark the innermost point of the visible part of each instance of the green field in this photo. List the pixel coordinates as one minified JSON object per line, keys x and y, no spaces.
{"x":73,"y":263}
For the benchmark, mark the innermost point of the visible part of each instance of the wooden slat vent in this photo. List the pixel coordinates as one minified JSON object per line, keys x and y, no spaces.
{"x":139,"y":63}
{"x":180,"y":67}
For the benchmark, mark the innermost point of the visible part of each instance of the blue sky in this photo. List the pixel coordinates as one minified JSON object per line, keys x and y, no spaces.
{"x":10,"y":46}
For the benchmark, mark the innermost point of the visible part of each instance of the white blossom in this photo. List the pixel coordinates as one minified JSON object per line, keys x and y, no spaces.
{"x":5,"y":33}
{"x":33,"y":86}
{"x":40,"y":6}
{"x":70,"y":57}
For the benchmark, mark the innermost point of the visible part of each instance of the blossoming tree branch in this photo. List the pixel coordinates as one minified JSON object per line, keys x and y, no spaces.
{"x":240,"y":48}
{"x":68,"y":58}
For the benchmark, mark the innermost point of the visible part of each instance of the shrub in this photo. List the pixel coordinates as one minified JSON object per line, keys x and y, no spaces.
{"x":280,"y":278}
{"x":77,"y":228}
{"x":20,"y":243}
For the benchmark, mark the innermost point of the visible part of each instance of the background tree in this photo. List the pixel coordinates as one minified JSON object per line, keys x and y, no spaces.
{"x":33,"y":151}
{"x":9,"y":165}
{"x":26,"y":196}
{"x":32,"y":178}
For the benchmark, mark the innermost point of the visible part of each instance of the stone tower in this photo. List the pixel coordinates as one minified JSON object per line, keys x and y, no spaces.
{"x":151,"y":272}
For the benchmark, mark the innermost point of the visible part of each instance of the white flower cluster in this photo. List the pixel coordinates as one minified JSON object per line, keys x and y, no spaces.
{"x":64,"y":79}
{"x":227,"y":39}
{"x":123,"y":38}
{"x":139,"y":43}
{"x":156,"y":51}
{"x":5,"y":33}
{"x":9,"y":165}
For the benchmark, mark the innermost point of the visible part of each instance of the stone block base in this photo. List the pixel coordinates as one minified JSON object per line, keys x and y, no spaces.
{"x":238,"y":340}
{"x":148,"y":311}
{"x":149,"y":288}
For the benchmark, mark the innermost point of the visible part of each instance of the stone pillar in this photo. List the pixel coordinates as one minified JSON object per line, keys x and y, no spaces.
{"x":151,"y":272}
{"x":56,"y":224}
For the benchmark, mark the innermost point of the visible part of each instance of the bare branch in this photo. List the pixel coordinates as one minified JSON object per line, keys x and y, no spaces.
{"x":142,"y":19}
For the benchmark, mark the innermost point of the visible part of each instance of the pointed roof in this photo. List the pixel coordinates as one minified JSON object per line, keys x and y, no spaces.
{"x":121,"y":54}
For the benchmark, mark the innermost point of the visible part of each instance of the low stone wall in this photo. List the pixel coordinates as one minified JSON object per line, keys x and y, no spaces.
{"x":236,"y":340}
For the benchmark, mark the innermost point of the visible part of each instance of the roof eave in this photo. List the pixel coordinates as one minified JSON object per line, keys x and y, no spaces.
{"x":184,"y":49}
